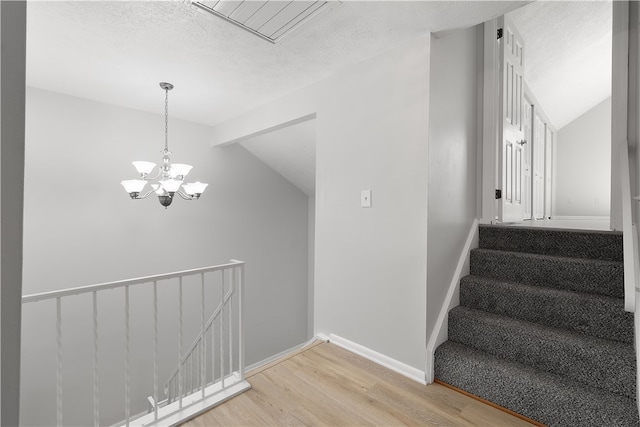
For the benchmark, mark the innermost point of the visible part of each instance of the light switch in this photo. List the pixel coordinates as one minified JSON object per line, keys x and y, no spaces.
{"x":365,"y":198}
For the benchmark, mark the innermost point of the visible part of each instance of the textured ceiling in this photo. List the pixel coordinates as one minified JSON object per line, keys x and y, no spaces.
{"x":117,"y":51}
{"x":567,"y":55}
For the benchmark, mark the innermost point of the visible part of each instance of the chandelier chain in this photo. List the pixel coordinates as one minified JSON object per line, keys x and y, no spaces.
{"x":166,"y":120}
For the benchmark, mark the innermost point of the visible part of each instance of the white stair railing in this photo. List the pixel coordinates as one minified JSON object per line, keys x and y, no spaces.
{"x":197,"y":385}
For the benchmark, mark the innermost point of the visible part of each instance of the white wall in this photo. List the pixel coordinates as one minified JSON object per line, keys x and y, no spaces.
{"x":453,"y":131}
{"x":583,"y":172}
{"x":372,"y":124}
{"x":80,"y":228}
{"x":370,"y":263}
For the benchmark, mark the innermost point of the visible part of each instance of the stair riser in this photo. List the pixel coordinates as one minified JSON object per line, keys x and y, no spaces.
{"x":593,"y":315}
{"x":593,"y":362}
{"x":597,"y":277}
{"x":596,"y":245}
{"x":545,"y":397}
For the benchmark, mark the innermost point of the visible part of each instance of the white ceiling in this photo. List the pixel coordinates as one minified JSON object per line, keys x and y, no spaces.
{"x":567,"y":55}
{"x":117,"y":51}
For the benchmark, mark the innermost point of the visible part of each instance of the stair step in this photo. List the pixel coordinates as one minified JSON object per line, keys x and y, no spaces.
{"x":595,"y":315}
{"x":597,"y":362}
{"x":604,"y":245}
{"x":542,"y":396}
{"x":574,"y":274}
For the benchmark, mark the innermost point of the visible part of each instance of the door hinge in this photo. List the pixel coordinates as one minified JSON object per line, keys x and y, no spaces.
{"x":498,"y":194}
{"x":499,"y":33}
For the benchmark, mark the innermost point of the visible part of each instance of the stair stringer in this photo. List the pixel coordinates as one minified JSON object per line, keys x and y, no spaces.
{"x":452,"y":299}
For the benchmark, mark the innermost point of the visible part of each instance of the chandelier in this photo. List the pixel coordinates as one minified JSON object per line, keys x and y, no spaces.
{"x":169,"y":176}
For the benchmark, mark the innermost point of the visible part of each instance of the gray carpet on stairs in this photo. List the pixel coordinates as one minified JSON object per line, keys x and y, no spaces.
{"x":552,"y":399}
{"x":572,"y":274}
{"x":603,"y":245}
{"x":592,"y":361}
{"x":541,"y":328}
{"x":595,"y":315}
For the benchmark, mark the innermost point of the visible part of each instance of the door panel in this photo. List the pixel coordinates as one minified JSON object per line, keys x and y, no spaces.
{"x":539,"y":134}
{"x":527,"y":125}
{"x":548,"y":147}
{"x":512,"y":134}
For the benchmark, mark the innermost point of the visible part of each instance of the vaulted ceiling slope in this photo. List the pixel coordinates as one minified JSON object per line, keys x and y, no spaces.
{"x":567,"y":55}
{"x":117,"y":51}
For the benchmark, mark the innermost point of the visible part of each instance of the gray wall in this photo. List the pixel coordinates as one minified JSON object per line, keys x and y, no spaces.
{"x":80,"y":228}
{"x":453,"y":144}
{"x":370,"y":264}
{"x":583,"y":164}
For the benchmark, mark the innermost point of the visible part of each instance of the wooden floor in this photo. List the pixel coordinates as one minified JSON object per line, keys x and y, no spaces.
{"x":328,"y":386}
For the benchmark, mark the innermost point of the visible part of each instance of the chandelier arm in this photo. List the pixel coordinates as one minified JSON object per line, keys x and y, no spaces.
{"x":145,"y":195}
{"x":147,"y":178}
{"x":185,"y":196}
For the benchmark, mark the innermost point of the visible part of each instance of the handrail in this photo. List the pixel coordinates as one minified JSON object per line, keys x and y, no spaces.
{"x":629,"y":232}
{"x":121,"y":283}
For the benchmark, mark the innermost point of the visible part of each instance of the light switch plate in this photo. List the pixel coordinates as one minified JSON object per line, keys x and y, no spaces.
{"x":365,"y":198}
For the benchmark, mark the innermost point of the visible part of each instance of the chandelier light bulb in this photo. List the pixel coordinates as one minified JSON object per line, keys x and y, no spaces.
{"x":170,"y":185}
{"x":144,"y":168}
{"x":179,"y":170}
{"x":133,"y":186}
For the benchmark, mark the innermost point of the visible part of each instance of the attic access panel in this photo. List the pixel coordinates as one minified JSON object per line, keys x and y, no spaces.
{"x":270,"y":19}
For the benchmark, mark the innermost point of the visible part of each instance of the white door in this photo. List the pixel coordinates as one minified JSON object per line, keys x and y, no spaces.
{"x":527,"y":182}
{"x":548,"y":149}
{"x":539,"y":133}
{"x":511,"y":206}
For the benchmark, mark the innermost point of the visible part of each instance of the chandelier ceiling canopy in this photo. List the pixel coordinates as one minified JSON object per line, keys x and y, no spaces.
{"x":170,"y":177}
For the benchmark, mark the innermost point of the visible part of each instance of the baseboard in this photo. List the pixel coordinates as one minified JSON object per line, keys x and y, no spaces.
{"x":282,"y":354}
{"x":322,"y":337}
{"x":386,"y":361}
{"x":577,"y":217}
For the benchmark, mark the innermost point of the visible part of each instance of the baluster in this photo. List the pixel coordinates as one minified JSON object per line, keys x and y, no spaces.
{"x":222,"y":330}
{"x":213,"y":352}
{"x":233,"y":287}
{"x":187,"y":364}
{"x":194,"y":368}
{"x":155,"y":349}
{"x":127,"y":397}
{"x":180,"y":379}
{"x":240,"y":321}
{"x":190,"y":388}
{"x":59,"y":360}
{"x":203,"y":371}
{"x":96,"y":404}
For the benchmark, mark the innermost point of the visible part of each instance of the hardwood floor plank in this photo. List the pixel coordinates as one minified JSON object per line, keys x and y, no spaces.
{"x":325,"y":385}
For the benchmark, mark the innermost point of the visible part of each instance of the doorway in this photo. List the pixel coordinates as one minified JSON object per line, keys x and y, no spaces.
{"x":566,"y":111}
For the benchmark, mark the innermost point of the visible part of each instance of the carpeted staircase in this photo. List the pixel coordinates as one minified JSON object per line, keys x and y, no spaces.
{"x":541,"y":328}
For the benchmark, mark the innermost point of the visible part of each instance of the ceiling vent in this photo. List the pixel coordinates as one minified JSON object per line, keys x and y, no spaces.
{"x":270,"y":20}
